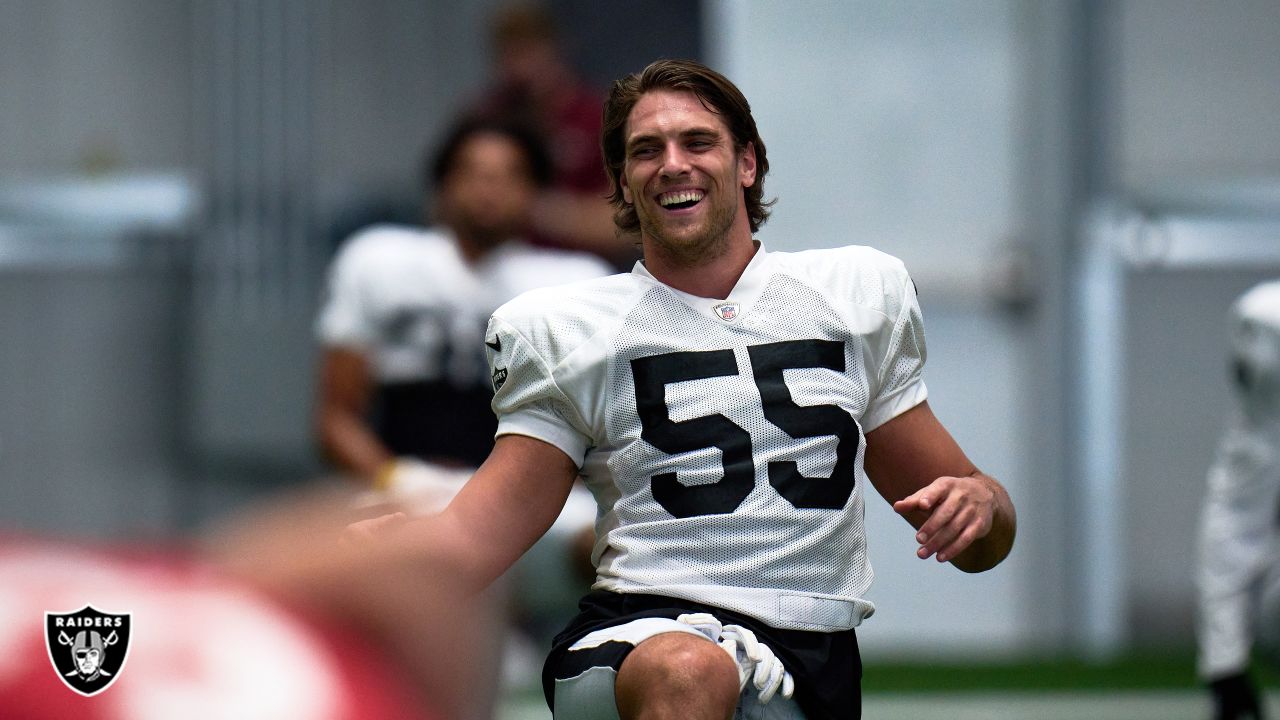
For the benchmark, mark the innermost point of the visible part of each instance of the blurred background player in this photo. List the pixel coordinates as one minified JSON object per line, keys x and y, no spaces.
{"x":1239,"y":574}
{"x":404,"y":389}
{"x":535,"y":84}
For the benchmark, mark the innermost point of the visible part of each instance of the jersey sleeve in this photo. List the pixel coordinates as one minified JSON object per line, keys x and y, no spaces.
{"x":527,"y":398}
{"x":344,"y":318}
{"x":899,"y":377}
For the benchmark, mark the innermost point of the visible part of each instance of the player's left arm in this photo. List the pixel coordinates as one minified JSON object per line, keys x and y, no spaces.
{"x":961,"y":515}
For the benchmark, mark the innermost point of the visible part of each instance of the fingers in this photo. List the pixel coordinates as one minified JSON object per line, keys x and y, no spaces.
{"x":955,"y":511}
{"x":381,"y":524}
{"x":768,"y":680}
{"x":962,"y":542}
{"x":943,"y":528}
{"x":360,"y":534}
{"x":919,"y":501}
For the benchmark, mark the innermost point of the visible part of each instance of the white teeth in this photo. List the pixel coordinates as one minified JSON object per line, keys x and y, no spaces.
{"x":680,"y":196}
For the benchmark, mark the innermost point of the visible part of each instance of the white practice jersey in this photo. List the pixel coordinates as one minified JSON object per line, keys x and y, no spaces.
{"x":722,"y":439}
{"x":407,"y":296}
{"x":1239,"y":573}
{"x":407,"y":299}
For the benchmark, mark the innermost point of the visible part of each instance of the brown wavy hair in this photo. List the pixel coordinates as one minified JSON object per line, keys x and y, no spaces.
{"x":716,"y":93}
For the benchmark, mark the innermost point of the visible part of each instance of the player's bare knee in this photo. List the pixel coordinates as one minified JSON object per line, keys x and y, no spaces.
{"x":677,"y":675}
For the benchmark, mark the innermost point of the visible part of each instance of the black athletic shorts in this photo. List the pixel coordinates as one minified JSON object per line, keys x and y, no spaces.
{"x":826,"y":667}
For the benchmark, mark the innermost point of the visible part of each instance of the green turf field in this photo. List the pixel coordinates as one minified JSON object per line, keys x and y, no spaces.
{"x":1163,"y":671}
{"x":1148,"y":686}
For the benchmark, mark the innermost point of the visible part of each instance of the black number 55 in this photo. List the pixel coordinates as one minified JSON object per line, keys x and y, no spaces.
{"x":652,"y":375}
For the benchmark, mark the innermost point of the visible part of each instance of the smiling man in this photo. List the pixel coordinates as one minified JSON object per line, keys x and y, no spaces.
{"x":729,"y":408}
{"x":684,"y":178}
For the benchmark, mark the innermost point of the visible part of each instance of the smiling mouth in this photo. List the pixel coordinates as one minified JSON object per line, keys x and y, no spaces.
{"x":681,"y":199}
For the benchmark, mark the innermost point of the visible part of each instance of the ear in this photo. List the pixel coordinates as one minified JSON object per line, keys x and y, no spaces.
{"x":626,"y":189}
{"x":747,"y":165}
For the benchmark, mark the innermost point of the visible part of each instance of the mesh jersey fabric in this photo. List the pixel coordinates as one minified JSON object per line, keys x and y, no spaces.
{"x":722,"y":439}
{"x":407,"y":298}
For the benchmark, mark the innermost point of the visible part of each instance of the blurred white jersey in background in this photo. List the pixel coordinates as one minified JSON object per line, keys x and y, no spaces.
{"x":1239,"y":564}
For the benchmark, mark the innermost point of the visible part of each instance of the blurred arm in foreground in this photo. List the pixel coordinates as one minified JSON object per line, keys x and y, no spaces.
{"x":269,"y":617}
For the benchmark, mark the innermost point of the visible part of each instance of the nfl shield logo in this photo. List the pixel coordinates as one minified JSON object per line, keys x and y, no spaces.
{"x":87,"y":647}
{"x":727,"y":311}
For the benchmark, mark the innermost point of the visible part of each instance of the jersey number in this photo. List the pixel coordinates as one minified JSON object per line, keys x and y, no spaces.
{"x":652,"y":375}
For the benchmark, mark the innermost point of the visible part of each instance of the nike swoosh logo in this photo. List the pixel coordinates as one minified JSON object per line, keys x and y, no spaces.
{"x":496,"y":345}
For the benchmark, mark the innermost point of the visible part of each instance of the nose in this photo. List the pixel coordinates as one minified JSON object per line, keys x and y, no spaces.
{"x":675,"y":161}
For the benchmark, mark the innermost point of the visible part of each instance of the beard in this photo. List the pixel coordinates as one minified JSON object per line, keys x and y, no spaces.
{"x":691,"y":245}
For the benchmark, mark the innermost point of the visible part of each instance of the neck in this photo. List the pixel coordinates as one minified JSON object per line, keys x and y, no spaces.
{"x":471,"y":249}
{"x":712,"y":275}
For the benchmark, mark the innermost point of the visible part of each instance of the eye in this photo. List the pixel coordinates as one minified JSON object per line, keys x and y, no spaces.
{"x":643,"y":152}
{"x":702,"y":143}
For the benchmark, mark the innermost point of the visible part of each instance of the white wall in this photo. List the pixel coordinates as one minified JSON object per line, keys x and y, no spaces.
{"x":890,"y":124}
{"x":1195,"y":92}
{"x":65,"y":104}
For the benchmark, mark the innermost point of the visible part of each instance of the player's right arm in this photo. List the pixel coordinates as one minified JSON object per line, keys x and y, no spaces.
{"x":519,"y":490}
{"x":507,"y":505}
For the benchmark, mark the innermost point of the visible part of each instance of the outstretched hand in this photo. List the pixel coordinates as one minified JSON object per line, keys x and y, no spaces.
{"x":951,"y":513}
{"x":361,"y":534}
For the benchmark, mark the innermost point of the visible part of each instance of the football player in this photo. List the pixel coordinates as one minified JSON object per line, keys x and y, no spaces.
{"x":1239,"y":574}
{"x":404,"y":394}
{"x":729,"y":407}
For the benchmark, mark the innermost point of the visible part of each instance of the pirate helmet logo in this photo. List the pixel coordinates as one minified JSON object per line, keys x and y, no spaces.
{"x":87,"y":647}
